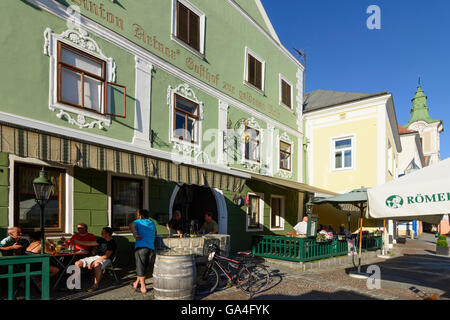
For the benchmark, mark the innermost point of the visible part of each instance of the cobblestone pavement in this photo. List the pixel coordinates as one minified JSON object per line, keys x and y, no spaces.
{"x":414,"y":273}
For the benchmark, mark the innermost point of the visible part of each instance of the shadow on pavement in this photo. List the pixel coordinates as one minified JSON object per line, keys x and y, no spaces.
{"x":412,"y":270}
{"x":315,"y":295}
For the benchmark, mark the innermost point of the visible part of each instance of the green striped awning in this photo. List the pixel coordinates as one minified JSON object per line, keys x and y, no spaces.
{"x":36,"y":144}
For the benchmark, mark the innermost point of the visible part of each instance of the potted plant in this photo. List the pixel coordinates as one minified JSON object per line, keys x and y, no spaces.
{"x":442,"y":246}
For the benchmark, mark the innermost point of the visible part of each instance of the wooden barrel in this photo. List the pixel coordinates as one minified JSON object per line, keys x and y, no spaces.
{"x":174,"y":276}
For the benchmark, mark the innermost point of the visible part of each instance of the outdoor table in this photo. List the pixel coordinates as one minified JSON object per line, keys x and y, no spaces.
{"x":60,"y":258}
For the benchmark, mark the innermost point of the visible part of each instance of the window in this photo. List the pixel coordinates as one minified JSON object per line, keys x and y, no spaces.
{"x":127,"y":198}
{"x":186,"y":117}
{"x":254,"y":212}
{"x":343,"y":153}
{"x":82,"y":83}
{"x":254,"y":71}
{"x":188,"y":26}
{"x":285,"y":92}
{"x":27,"y":211}
{"x":285,"y":156}
{"x":277,"y":212}
{"x":252,"y":144}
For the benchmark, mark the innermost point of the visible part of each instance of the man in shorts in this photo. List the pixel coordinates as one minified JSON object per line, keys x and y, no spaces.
{"x":105,"y":252}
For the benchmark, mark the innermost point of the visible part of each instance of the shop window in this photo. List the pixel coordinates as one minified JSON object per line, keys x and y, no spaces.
{"x":186,"y":118}
{"x":27,"y":211}
{"x":343,"y":150}
{"x":82,"y":83}
{"x":127,"y":199}
{"x":252,"y":144}
{"x":277,"y":212}
{"x":285,"y":156}
{"x":254,"y":213}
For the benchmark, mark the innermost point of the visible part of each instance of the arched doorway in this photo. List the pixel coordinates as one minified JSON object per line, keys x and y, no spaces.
{"x":194,"y":201}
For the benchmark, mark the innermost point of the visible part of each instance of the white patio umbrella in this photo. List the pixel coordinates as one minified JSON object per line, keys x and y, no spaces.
{"x":421,"y":195}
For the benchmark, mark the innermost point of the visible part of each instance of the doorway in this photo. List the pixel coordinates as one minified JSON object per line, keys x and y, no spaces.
{"x":193,"y":202}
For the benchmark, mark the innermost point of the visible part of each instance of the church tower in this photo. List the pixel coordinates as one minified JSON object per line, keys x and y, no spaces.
{"x":428,"y":128}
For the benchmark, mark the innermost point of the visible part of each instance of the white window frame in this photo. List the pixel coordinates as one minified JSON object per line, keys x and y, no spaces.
{"x":333,"y":151}
{"x":291,"y":108}
{"x":261,"y":211}
{"x":263,"y":70}
{"x":68,"y":227}
{"x":202,"y":17}
{"x":279,"y":156}
{"x":185,"y":91}
{"x":259,"y":146}
{"x":283,"y":212}
{"x":51,"y":49}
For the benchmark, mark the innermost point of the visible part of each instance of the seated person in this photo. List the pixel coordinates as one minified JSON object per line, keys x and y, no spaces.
{"x":330,"y":229}
{"x":13,"y":244}
{"x":105,"y":253}
{"x":320,"y":228}
{"x":302,"y":227}
{"x":175,"y":225}
{"x":35,"y":248}
{"x":326,"y":232}
{"x":345,"y":232}
{"x":210,"y":226}
{"x":82,"y":235}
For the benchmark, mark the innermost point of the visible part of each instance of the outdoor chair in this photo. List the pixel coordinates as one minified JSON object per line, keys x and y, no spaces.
{"x":111,"y":269}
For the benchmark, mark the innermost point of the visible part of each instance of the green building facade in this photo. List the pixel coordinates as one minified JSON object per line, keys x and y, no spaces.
{"x":164,"y":105}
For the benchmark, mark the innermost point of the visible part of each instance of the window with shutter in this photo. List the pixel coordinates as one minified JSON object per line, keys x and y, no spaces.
{"x":285,"y":92}
{"x":188,"y":26}
{"x":254,"y":72}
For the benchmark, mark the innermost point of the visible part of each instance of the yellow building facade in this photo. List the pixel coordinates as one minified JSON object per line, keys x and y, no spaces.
{"x":352,"y":141}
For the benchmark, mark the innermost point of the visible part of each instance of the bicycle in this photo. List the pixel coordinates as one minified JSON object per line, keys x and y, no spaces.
{"x":250,"y":277}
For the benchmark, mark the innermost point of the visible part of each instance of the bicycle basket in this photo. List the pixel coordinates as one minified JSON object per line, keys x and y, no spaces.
{"x":207,"y":248}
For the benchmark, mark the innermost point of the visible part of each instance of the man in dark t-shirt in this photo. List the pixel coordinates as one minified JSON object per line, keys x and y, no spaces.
{"x":105,"y":252}
{"x":175,"y":225}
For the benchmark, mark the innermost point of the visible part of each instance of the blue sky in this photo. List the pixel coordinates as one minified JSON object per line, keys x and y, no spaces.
{"x":344,"y":55}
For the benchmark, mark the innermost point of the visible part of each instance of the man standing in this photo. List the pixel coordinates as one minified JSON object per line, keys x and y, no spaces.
{"x":14,"y":244}
{"x":210,"y":226}
{"x":106,"y":251}
{"x":301,"y":228}
{"x":144,"y":231}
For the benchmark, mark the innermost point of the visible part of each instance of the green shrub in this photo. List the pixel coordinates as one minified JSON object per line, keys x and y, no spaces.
{"x":442,"y":243}
{"x":442,"y":237}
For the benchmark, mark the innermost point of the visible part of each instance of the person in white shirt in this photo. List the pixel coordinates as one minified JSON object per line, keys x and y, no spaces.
{"x":302,"y":227}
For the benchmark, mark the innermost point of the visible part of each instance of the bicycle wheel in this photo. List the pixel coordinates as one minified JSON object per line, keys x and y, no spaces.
{"x":207,"y":281}
{"x":253,"y":279}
